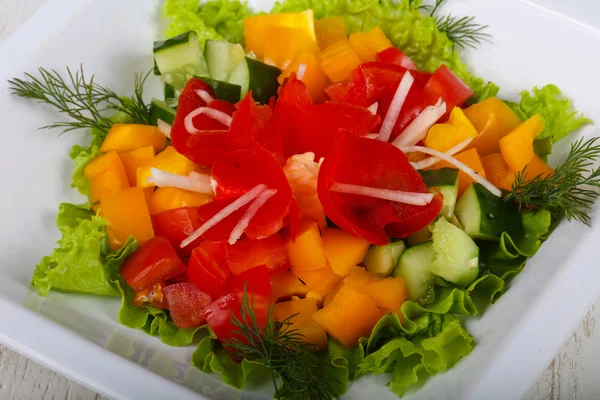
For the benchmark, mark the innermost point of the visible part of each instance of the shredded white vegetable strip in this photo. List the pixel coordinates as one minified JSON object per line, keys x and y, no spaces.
{"x":204,"y":96}
{"x":256,"y":205}
{"x":417,"y":129}
{"x":373,"y":108}
{"x":194,"y":182}
{"x":466,"y":169}
{"x":217,"y":115}
{"x":164,"y":128}
{"x":399,"y":196}
{"x":371,"y":136}
{"x":395,"y":107}
{"x":225,"y":212}
{"x":428,"y":162}
{"x":301,"y":71}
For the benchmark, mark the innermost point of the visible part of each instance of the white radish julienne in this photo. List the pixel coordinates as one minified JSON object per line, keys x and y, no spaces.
{"x":373,"y":108}
{"x":417,"y":130}
{"x":164,"y":128}
{"x":217,"y":115}
{"x":371,"y":136}
{"x":428,"y":162}
{"x":301,"y":71}
{"x":204,"y":96}
{"x":399,"y":196}
{"x":194,"y":182}
{"x":466,"y":169}
{"x":256,"y":205}
{"x":225,"y":212}
{"x":395,"y":107}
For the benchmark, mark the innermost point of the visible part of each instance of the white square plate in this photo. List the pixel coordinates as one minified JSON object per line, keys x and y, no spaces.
{"x":533,"y":44}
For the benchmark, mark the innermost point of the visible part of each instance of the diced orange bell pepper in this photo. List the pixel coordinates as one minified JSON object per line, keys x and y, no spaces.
{"x":469,"y":158}
{"x":285,"y":43}
{"x":368,"y":44}
{"x":329,"y":31}
{"x":284,"y":285}
{"x":143,"y":173}
{"x":497,"y":171}
{"x":388,"y":292}
{"x":134,"y":159}
{"x":127,"y":215}
{"x":306,"y":253}
{"x":313,"y":77}
{"x":343,"y":250}
{"x":107,"y":176}
{"x":317,"y":297}
{"x":493,"y":120}
{"x":319,"y":280}
{"x":169,"y":198}
{"x":537,"y":167}
{"x":330,"y":296}
{"x":300,"y":313}
{"x":338,"y":60}
{"x":313,"y":333}
{"x":443,"y":137}
{"x":255,"y":28}
{"x":349,"y":317}
{"x":125,"y":137}
{"x":517,"y":146}
{"x":359,"y":278}
{"x":168,"y":160}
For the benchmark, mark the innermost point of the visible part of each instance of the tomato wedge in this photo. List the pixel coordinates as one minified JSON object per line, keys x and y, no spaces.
{"x":373,"y":163}
{"x":447,"y":86}
{"x":256,"y":284}
{"x":186,"y":304}
{"x":393,"y":55}
{"x":208,"y":269}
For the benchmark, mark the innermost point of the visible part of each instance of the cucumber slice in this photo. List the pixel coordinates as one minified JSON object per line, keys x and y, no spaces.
{"x":419,"y":237}
{"x":381,"y":260}
{"x":223,"y":90}
{"x":171,"y":95}
{"x":263,"y":80}
{"x":457,"y":255}
{"x":241,"y":76}
{"x":485,"y":216}
{"x":178,"y":58}
{"x":446,"y":181}
{"x":414,"y":267}
{"x":222,"y":58}
{"x":160,"y":110}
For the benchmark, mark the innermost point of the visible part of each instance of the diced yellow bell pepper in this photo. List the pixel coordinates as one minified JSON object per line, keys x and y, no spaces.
{"x":169,"y":198}
{"x":319,"y":280}
{"x":343,"y":250}
{"x":107,"y":176}
{"x":285,"y":43}
{"x":255,"y":28}
{"x":125,"y":137}
{"x":368,"y":44}
{"x":536,"y":167}
{"x":493,"y":120}
{"x":338,"y":60}
{"x":497,"y":171}
{"x":127,"y":215}
{"x":285,"y":285}
{"x":349,"y":317}
{"x":443,"y":137}
{"x":329,"y":31}
{"x":168,"y":160}
{"x":471,"y":159}
{"x":306,"y":253}
{"x":387,"y":292}
{"x":314,"y":77}
{"x":300,"y":314}
{"x":517,"y":146}
{"x":134,"y":159}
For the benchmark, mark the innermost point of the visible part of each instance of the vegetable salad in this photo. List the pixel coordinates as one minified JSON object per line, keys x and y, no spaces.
{"x":320,"y":194}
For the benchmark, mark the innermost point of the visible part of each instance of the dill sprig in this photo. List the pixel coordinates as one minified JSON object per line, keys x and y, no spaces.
{"x":83,"y":100}
{"x":297,"y":371}
{"x":572,"y":189}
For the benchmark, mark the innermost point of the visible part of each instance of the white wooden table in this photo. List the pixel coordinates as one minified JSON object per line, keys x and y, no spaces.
{"x":572,"y":374}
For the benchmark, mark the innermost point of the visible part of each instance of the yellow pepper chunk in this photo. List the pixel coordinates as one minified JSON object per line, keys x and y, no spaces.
{"x":285,"y":43}
{"x":329,"y":31}
{"x":302,"y":321}
{"x":285,"y":285}
{"x":168,"y":160}
{"x":169,"y":198}
{"x":338,"y":60}
{"x":343,"y":250}
{"x":134,"y":159}
{"x":306,"y":253}
{"x":368,"y":44}
{"x":125,"y":137}
{"x":471,"y":159}
{"x":319,"y":280}
{"x":517,"y":146}
{"x":443,"y":137}
{"x":107,"y":176}
{"x":313,"y":77}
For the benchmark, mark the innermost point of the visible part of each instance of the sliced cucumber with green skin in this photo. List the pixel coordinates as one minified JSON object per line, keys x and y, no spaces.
{"x":457,"y":255}
{"x":381,"y":260}
{"x":223,"y":90}
{"x":263,"y":80}
{"x":222,"y":58}
{"x":241,"y":76}
{"x":160,"y":110}
{"x":414,"y":267}
{"x":171,"y":95}
{"x":178,"y":58}
{"x":485,"y":216}
{"x":444,"y":180}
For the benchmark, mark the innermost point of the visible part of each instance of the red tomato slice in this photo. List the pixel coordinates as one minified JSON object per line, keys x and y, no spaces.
{"x":154,"y":261}
{"x":373,"y":163}
{"x":208,"y":269}
{"x":186,"y":304}
{"x":444,"y":84}
{"x":394,"y":55}
{"x":249,"y":253}
{"x":219,"y":315}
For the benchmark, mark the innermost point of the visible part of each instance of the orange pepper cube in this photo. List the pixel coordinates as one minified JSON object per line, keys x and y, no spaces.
{"x":170,"y":160}
{"x":497,"y":171}
{"x":169,"y":198}
{"x":443,"y":137}
{"x":368,"y":44}
{"x":517,"y":146}
{"x":338,"y":60}
{"x":343,"y":250}
{"x":306,"y":253}
{"x":469,"y":158}
{"x":285,"y":285}
{"x":349,"y":317}
{"x":127,"y":215}
{"x":319,"y":280}
{"x":284,"y":43}
{"x":313,"y":77}
{"x":107,"y":176}
{"x":387,"y":293}
{"x":299,"y":313}
{"x":125,"y":137}
{"x":329,"y":31}
{"x":134,"y":159}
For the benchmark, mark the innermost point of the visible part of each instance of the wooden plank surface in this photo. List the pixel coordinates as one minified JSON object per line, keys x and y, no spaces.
{"x":572,"y":374}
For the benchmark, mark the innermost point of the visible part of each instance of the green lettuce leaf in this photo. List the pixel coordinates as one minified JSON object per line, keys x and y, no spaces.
{"x":82,"y":156}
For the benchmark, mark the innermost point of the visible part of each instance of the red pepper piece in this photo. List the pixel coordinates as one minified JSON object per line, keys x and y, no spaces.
{"x":154,"y":261}
{"x":186,"y":304}
{"x":414,"y":104}
{"x":256,"y":284}
{"x":393,"y":55}
{"x":444,"y":84}
{"x":219,"y":315}
{"x":206,"y":147}
{"x":249,"y":253}
{"x":373,"y":163}
{"x":337,"y":92}
{"x":208,"y":269}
